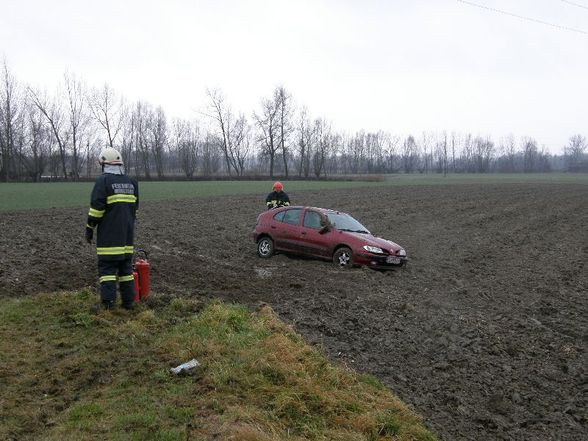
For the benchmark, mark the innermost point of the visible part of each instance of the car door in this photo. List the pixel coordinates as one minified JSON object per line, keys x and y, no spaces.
{"x":312,"y":240}
{"x":287,"y":230}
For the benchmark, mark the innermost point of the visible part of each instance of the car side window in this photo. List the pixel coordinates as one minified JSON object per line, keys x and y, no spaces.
{"x":280,"y":216}
{"x":292,"y":216}
{"x":312,"y":220}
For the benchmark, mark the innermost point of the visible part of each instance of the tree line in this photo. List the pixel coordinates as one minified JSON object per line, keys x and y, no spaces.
{"x":59,"y":135}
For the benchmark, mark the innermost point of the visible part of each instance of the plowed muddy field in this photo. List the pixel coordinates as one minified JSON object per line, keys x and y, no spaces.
{"x":484,"y":332}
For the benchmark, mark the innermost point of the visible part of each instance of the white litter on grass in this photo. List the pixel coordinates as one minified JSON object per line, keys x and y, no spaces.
{"x":185,"y":366}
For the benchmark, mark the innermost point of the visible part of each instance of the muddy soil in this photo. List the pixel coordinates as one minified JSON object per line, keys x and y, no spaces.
{"x":484,"y":332}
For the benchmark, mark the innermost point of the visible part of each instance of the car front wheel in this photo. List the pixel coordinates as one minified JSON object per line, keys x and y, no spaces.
{"x":265,"y":247}
{"x":343,"y":258}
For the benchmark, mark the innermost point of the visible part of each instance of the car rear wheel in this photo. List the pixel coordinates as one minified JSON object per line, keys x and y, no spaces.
{"x":265,"y":247}
{"x":343,"y":258}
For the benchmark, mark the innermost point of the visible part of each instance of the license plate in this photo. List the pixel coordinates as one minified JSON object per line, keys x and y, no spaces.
{"x":393,"y":259}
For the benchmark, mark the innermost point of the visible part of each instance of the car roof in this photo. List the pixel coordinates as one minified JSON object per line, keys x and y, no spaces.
{"x":319,"y":209}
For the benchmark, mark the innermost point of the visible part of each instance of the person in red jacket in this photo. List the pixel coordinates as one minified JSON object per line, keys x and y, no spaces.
{"x":113,"y":209}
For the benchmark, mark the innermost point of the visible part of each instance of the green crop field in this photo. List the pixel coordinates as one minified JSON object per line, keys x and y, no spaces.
{"x":17,"y":196}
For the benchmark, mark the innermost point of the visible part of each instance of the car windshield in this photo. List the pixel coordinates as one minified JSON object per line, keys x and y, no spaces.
{"x":344,"y":222}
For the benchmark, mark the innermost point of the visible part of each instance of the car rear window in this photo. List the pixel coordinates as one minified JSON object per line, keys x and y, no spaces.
{"x":280,"y":216}
{"x":292,"y":216}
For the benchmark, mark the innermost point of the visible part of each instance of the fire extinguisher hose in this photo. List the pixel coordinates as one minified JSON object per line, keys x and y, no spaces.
{"x":141,"y":251}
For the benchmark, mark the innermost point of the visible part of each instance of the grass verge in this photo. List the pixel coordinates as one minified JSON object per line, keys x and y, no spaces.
{"x":68,"y":374}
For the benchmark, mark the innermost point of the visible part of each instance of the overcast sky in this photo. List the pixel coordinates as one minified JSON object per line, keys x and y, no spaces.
{"x":401,"y":66}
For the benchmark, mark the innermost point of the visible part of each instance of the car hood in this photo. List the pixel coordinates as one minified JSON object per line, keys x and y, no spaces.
{"x":368,"y":239}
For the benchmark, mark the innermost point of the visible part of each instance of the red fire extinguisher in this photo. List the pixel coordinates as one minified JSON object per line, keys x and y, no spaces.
{"x":141,"y":273}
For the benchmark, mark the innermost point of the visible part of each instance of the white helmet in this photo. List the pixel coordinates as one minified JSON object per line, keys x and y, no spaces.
{"x":110,"y":156}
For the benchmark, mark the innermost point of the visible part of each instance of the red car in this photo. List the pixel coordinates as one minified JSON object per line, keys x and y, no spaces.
{"x":325,"y":234}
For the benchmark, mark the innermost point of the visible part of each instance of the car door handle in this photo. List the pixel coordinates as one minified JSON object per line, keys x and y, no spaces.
{"x":273,"y":227}
{"x":303,"y":233}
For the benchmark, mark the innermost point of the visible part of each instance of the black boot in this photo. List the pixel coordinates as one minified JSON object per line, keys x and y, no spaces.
{"x":104,"y":305}
{"x":129,"y":306}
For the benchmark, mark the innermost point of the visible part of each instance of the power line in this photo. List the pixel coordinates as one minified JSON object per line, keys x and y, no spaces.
{"x":575,"y":4}
{"x":522,"y":17}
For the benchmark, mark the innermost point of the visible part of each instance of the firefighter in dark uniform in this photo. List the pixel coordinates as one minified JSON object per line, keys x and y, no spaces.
{"x":277,"y":198}
{"x":113,"y":209}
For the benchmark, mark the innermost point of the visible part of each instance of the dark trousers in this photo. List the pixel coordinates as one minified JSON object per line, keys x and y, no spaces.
{"x":112,"y":271}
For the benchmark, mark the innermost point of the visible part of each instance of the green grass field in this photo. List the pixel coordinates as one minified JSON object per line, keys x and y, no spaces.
{"x":70,"y":375}
{"x":15,"y":196}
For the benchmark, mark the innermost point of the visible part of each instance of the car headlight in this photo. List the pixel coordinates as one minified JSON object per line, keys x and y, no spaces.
{"x":371,"y":249}
{"x":402,"y":253}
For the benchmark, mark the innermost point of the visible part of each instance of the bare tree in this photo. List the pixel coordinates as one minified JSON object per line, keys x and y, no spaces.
{"x":267,"y":123}
{"x":240,"y":144}
{"x":211,"y":151}
{"x":158,"y":138}
{"x":57,"y":123}
{"x":305,"y":138}
{"x":437,"y":153}
{"x":128,"y":140}
{"x":9,"y":114}
{"x":108,"y":110}
{"x":444,"y":154}
{"x":484,"y":149}
{"x":390,"y":153}
{"x":356,"y":151}
{"x":467,"y":154}
{"x":506,"y":154}
{"x":409,"y":154}
{"x":141,"y":120}
{"x":221,"y":113}
{"x":427,"y":148}
{"x":20,"y":141}
{"x":283,"y":103}
{"x":574,"y":153}
{"x":78,"y":119}
{"x":232,"y":131}
{"x":88,"y":153}
{"x":453,"y":144}
{"x":333,"y":151}
{"x":530,"y":155}
{"x":187,"y":143}
{"x":39,"y":142}
{"x":375,"y":151}
{"x":322,"y":130}
{"x":372,"y":152}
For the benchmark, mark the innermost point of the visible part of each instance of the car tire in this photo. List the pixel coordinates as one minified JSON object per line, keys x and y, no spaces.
{"x":343,"y":258}
{"x":265,"y":247}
